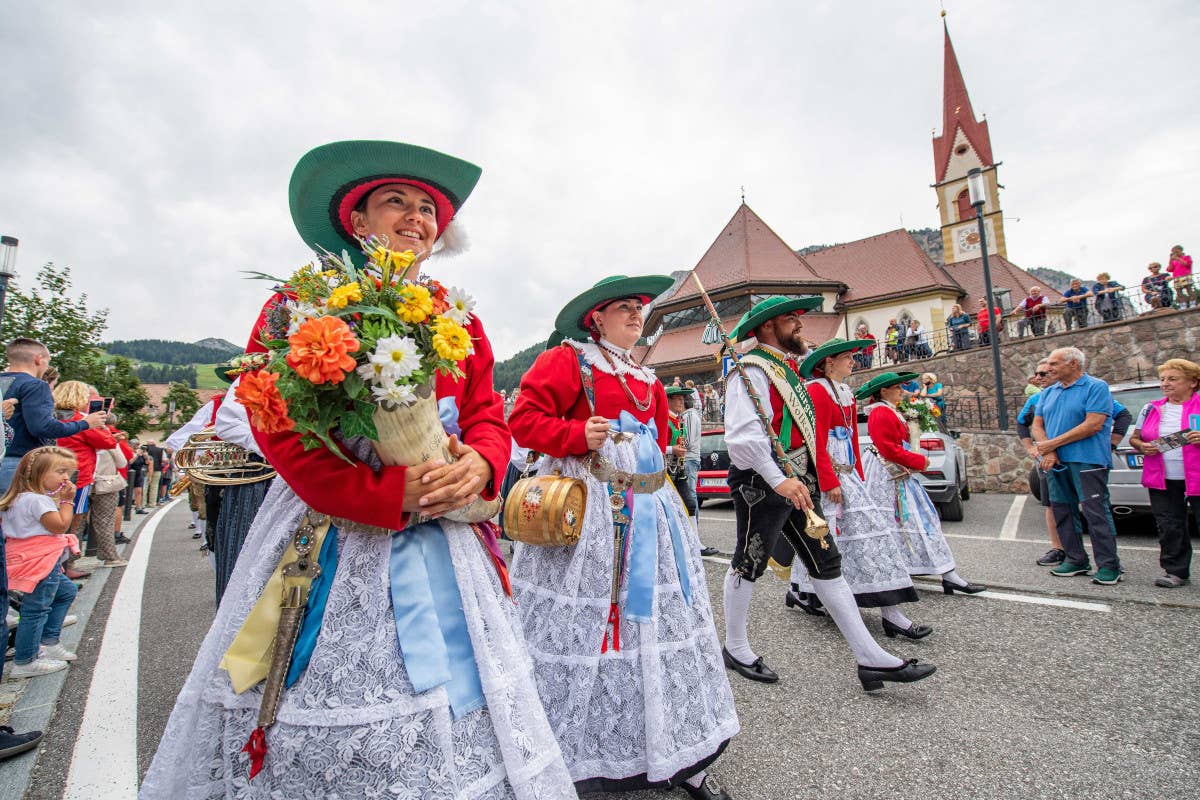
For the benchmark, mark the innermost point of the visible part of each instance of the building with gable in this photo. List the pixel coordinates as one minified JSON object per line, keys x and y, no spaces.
{"x":871,"y":281}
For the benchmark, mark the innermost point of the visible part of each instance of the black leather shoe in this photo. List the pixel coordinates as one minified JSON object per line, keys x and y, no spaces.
{"x":704,"y":791}
{"x":758,"y":671}
{"x":809,"y":604}
{"x":872,"y":678}
{"x":970,"y":588}
{"x":709,"y":551}
{"x":913,"y":631}
{"x":121,"y":538}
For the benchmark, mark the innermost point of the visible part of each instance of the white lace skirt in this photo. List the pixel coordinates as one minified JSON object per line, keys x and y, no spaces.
{"x":872,"y":561}
{"x":919,"y":536}
{"x":662,"y":703}
{"x":351,"y":727}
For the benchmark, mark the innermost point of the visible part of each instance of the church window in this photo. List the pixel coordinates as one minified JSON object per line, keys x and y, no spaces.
{"x":965,"y":210}
{"x":960,"y":150}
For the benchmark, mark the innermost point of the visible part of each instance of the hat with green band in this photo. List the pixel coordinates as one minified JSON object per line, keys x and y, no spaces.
{"x":883,"y":381}
{"x":835,"y":346}
{"x":572,"y":321}
{"x":674,"y":390}
{"x":330,"y":180}
{"x":769,"y":309}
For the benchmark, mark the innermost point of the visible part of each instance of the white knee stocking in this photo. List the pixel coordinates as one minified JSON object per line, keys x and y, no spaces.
{"x":738,"y":593}
{"x":894,"y":615}
{"x":839,"y":602}
{"x":953,"y":577}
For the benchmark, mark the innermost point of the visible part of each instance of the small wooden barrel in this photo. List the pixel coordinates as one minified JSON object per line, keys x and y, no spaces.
{"x":545,"y":510}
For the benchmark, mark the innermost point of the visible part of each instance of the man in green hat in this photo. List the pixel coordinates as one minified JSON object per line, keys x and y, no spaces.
{"x":769,"y":402}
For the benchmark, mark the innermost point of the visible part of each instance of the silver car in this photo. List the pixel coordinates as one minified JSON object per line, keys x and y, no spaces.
{"x":946,"y":476}
{"x":1126,"y":495}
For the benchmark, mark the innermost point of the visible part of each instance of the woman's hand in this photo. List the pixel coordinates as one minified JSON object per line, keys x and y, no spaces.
{"x":595,"y":430}
{"x":1193,"y":437}
{"x":835,"y":495}
{"x":679,"y":449}
{"x":435,"y":487}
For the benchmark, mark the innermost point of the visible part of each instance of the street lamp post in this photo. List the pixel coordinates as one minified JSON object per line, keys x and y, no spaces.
{"x":978,"y":196}
{"x":8,"y":266}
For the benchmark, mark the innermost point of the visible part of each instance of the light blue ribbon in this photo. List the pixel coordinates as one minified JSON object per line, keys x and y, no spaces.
{"x":430,"y":624}
{"x":643,"y":566}
{"x":842,"y":433}
{"x":314,"y":611}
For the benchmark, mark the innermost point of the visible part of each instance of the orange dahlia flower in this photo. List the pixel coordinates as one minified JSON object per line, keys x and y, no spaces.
{"x":321,"y":349}
{"x":260,"y":396}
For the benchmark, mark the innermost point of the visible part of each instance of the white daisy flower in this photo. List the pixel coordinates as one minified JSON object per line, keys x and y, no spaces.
{"x":395,"y":394}
{"x":397,"y":356}
{"x":301,"y":312}
{"x":461,"y":305}
{"x":371,"y":372}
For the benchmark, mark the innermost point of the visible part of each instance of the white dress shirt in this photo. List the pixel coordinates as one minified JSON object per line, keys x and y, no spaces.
{"x":233,"y":425}
{"x":747,"y":441}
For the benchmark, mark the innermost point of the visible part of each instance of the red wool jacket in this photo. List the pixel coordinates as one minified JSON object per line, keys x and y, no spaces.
{"x":888,"y":433}
{"x":551,"y":410}
{"x":331,"y":486}
{"x":830,"y":415}
{"x":85,"y":444}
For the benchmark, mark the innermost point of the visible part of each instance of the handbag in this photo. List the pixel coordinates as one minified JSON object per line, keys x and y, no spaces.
{"x":107,"y":482}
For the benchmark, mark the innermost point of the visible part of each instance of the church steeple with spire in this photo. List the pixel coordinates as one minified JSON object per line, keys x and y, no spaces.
{"x":963,"y":145}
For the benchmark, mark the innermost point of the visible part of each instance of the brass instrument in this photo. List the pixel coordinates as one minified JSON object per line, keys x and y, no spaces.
{"x":208,"y":461}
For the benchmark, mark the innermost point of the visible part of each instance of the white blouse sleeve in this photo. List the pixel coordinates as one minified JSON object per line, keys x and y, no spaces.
{"x":749,"y":447}
{"x":233,"y":425}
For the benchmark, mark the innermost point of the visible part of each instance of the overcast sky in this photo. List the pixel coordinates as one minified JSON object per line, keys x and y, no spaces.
{"x":149,"y":145}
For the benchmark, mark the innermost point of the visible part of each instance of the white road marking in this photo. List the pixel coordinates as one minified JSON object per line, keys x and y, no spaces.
{"x":1013,"y":518}
{"x":717,"y":560}
{"x":1078,"y":605}
{"x":104,"y":762}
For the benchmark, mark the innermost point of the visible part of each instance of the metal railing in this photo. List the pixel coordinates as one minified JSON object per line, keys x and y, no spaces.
{"x":979,"y":411}
{"x":1131,"y":303}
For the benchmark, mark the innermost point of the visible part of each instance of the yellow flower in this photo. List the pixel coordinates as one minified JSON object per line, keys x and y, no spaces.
{"x":342,"y":296}
{"x":451,"y":340}
{"x":389,"y":262}
{"x":416,"y":304}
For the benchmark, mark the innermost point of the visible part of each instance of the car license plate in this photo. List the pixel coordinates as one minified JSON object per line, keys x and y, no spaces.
{"x":1134,"y":460}
{"x":712,"y":482}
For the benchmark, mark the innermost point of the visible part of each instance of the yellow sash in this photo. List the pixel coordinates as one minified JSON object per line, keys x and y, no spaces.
{"x":248,"y":659}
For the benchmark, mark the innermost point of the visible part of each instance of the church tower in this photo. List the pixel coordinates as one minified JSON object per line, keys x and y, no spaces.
{"x":963,"y":145}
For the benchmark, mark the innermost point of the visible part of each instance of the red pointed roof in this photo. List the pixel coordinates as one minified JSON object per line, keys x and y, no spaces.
{"x":957,"y":113}
{"x":746,"y":251}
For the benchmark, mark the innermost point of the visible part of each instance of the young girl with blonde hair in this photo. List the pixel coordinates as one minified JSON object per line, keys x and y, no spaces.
{"x":36,"y":513}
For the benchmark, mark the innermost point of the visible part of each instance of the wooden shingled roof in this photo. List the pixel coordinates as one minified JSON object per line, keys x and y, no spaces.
{"x":888,"y":264}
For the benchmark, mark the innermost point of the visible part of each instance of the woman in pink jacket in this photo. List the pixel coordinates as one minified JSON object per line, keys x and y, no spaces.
{"x":1171,"y":466}
{"x":1180,"y":268}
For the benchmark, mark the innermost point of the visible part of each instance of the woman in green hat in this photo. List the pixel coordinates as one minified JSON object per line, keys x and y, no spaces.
{"x":890,"y":466}
{"x":631,"y":679}
{"x":409,"y":675}
{"x":871,"y":559}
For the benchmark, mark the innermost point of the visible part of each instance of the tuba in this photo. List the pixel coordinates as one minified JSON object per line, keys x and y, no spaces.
{"x":208,"y":461}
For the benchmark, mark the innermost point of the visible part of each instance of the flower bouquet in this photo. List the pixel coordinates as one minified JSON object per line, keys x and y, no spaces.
{"x":357,"y":350}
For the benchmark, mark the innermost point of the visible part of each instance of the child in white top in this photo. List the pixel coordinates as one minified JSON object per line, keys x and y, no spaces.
{"x":36,"y":513}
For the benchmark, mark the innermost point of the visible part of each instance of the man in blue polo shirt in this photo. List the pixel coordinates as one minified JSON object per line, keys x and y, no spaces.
{"x":1072,"y":426}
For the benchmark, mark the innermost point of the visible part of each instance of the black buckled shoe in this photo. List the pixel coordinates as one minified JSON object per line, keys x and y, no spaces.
{"x":808,"y":603}
{"x":872,"y":678}
{"x":970,"y":588}
{"x":913,"y":631}
{"x":704,"y":791}
{"x":706,"y":551}
{"x":758,"y":671}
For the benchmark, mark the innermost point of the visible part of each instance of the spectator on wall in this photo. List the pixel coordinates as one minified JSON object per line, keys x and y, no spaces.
{"x":891,"y":341}
{"x":985,"y":324}
{"x":1108,"y":298}
{"x":1156,"y":287}
{"x":959,"y":325}
{"x":1180,"y":267}
{"x":1076,"y":306}
{"x":864,"y":356}
{"x":1033,"y":311}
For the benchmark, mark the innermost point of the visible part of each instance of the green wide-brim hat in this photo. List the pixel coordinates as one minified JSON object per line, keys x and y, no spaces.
{"x":554,"y":341}
{"x":330,"y":180}
{"x":835,"y":346}
{"x":883,"y":381}
{"x":674,"y":390}
{"x":221,"y":371}
{"x":572,"y":320}
{"x":769,"y":309}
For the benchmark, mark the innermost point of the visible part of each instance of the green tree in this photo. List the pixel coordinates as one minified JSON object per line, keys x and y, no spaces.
{"x":119,"y":381}
{"x":47,"y":312}
{"x":187,"y":402}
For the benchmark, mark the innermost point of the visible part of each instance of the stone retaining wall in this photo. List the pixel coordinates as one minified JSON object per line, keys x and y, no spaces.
{"x":995,"y":461}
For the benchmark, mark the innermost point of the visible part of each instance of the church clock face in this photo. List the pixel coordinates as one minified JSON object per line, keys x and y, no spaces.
{"x":967,"y":239}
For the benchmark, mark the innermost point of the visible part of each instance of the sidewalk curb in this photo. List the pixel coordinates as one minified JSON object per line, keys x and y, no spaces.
{"x":39,"y":699}
{"x":1192,"y":605}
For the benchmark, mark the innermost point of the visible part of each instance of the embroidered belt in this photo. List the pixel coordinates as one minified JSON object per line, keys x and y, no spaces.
{"x":621,"y":481}
{"x":842,"y":469}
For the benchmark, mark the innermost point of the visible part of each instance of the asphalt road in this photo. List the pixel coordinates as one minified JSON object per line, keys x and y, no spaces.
{"x":1047,"y":688}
